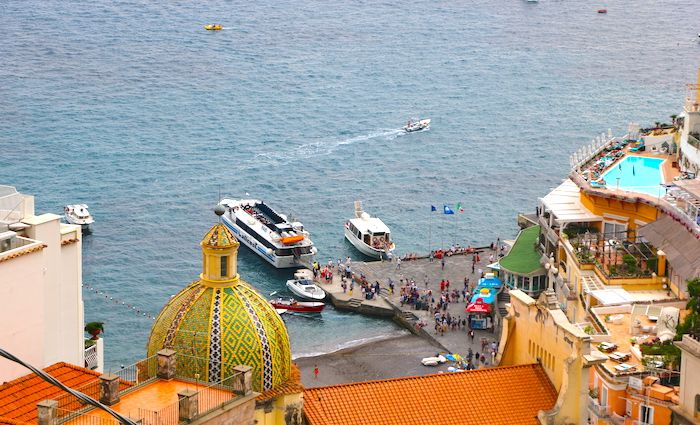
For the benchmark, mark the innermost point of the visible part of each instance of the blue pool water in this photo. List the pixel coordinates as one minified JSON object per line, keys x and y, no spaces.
{"x":637,"y":174}
{"x":131,"y":107}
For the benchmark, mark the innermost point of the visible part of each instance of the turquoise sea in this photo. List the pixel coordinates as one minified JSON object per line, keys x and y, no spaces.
{"x":134,"y":109}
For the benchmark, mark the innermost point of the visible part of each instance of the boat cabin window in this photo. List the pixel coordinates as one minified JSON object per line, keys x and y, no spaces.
{"x":284,"y":252}
{"x":224,"y":266}
{"x":366,"y":239}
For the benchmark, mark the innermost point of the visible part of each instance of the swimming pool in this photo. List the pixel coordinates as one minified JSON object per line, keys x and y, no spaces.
{"x":637,"y":174}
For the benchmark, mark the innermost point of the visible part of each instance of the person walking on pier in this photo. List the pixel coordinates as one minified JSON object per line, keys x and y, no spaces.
{"x":398,"y":263}
{"x":442,"y":262}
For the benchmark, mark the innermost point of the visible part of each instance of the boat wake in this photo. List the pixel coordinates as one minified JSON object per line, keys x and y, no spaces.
{"x":324,"y":147}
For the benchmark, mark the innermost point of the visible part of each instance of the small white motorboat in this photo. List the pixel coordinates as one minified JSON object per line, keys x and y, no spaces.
{"x":416,"y":125}
{"x":306,"y":289}
{"x":78,"y":214}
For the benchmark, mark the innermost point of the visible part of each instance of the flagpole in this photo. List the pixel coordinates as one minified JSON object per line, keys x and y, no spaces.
{"x":430,"y":226}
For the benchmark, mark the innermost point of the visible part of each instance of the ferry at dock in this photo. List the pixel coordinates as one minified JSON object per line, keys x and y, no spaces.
{"x":369,"y":234}
{"x":268,"y":233}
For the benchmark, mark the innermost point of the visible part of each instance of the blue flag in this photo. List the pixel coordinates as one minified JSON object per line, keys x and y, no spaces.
{"x":432,"y":208}
{"x":447,"y":210}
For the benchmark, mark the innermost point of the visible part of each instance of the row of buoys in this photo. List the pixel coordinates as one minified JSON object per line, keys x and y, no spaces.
{"x":118,"y":302}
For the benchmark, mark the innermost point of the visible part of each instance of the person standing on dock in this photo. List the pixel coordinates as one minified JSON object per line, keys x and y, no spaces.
{"x":315,"y":371}
{"x":442,"y":262}
{"x":398,"y":263}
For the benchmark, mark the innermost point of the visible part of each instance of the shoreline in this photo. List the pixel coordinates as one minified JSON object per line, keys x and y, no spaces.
{"x":392,"y":357}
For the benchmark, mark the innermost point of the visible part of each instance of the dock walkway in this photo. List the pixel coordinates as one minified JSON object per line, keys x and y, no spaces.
{"x":388,"y":305}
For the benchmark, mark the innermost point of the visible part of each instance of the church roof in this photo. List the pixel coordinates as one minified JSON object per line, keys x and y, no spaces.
{"x":219,"y":237}
{"x":223,"y":320}
{"x":505,"y":395}
{"x":229,"y":326}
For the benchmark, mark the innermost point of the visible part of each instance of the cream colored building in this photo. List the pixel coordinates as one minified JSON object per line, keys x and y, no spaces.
{"x":688,"y":409}
{"x":41,"y":303}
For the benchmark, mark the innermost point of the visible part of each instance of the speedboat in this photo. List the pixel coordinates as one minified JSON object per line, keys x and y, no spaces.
{"x":268,"y":233}
{"x":78,"y":214}
{"x":213,"y":27}
{"x":416,"y":125}
{"x":290,"y":304}
{"x":369,"y":234}
{"x":306,"y":289}
{"x":603,"y":10}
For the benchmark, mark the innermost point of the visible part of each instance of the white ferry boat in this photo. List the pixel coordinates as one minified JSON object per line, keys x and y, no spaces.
{"x":369,"y":234}
{"x":79,"y":214}
{"x":268,"y":233}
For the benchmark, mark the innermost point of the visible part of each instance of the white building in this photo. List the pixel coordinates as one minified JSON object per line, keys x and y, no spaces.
{"x":690,"y":131}
{"x":41,"y":302}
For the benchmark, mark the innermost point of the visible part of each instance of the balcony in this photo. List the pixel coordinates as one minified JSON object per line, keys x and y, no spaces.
{"x":615,"y":256}
{"x":595,"y":407}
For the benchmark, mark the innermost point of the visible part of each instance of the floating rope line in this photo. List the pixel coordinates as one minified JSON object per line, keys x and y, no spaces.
{"x":116,"y":301}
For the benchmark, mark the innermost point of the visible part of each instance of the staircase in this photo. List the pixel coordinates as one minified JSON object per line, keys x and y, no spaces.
{"x":503,"y":298}
{"x":354,"y":303}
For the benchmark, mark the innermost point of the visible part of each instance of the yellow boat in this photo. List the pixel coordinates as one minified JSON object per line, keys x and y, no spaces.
{"x":213,"y":27}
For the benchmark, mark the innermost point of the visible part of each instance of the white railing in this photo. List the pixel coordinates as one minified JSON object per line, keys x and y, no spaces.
{"x":91,"y":357}
{"x":587,"y":152}
{"x":595,"y":407}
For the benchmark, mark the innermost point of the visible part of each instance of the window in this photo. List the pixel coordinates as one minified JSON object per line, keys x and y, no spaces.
{"x":612,"y":230}
{"x":603,"y":395}
{"x":697,"y":403}
{"x":628,"y":408}
{"x":224,"y":266}
{"x":646,"y":414}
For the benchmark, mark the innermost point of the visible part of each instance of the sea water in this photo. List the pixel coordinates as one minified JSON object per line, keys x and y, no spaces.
{"x":134,"y":109}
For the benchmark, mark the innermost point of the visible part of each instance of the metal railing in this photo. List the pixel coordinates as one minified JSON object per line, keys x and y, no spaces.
{"x":84,"y":419}
{"x":91,"y":360}
{"x":68,"y":403}
{"x":139,"y":373}
{"x":168,"y":415}
{"x":217,"y":395}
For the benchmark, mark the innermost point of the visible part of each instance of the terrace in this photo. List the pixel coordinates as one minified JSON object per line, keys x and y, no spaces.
{"x":152,"y":391}
{"x":615,"y":255}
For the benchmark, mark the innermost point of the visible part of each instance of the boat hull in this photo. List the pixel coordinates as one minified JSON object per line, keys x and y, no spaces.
{"x":280,"y":262}
{"x":302,"y":307}
{"x":363,"y":247}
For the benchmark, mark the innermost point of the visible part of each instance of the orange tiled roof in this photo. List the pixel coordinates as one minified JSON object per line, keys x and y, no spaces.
{"x":503,"y":395}
{"x":18,"y":398}
{"x":23,"y":252}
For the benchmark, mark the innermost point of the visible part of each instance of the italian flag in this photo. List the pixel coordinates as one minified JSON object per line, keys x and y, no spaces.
{"x":459,"y":207}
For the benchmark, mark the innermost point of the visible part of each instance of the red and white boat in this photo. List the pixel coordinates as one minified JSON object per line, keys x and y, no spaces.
{"x":290,"y":304}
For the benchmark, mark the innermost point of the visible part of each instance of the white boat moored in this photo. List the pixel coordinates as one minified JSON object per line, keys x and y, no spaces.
{"x":268,"y":233}
{"x":306,"y":289}
{"x":78,"y":214}
{"x":369,"y":234}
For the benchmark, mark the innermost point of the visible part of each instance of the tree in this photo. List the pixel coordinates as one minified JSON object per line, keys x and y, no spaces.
{"x":691,"y":324}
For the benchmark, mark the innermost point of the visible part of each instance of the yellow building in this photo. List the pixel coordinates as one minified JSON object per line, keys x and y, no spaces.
{"x":538,"y":331}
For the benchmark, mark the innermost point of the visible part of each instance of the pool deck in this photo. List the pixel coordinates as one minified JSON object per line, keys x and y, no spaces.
{"x":388,"y":305}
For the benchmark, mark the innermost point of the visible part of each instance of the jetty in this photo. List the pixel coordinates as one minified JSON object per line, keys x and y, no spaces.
{"x":419,"y":321}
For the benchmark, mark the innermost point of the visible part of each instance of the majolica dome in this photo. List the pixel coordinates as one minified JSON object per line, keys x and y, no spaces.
{"x":219,"y":322}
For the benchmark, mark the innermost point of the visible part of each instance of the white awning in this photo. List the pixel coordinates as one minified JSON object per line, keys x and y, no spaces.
{"x":612,"y":296}
{"x":564,"y":203}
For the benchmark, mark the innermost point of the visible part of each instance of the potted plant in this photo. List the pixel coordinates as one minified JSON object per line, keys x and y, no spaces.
{"x":95,"y":329}
{"x":633,"y":341}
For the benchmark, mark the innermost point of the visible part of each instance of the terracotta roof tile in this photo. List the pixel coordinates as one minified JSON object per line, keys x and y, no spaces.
{"x":18,"y":398}
{"x":504,"y":395}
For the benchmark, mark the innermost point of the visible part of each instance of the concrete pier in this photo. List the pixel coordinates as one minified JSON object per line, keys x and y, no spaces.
{"x":388,"y":305}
